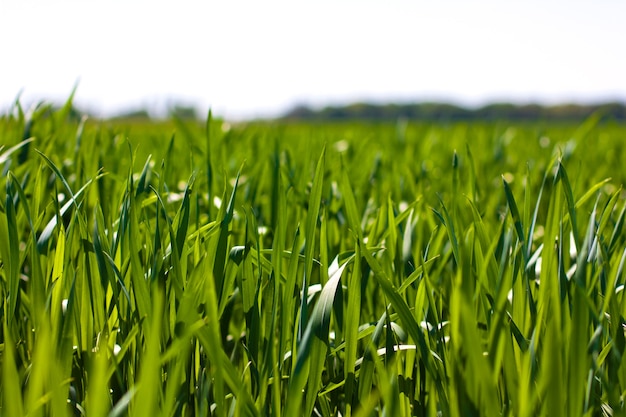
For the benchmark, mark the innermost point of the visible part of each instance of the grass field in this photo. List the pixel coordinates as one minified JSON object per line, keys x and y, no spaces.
{"x":350,"y":269}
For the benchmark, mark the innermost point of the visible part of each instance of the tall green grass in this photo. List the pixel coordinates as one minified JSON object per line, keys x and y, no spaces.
{"x":351,"y":269}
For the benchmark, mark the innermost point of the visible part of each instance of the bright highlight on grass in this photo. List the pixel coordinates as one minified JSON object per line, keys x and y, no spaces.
{"x":318,"y":270}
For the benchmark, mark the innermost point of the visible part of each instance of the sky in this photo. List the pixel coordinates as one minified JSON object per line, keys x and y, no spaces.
{"x":252,"y":58}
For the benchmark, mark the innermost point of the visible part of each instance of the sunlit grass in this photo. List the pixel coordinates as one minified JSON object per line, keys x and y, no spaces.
{"x":348,"y":269}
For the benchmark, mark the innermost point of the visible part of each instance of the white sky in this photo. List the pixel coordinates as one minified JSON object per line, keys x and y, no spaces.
{"x":249,"y":58}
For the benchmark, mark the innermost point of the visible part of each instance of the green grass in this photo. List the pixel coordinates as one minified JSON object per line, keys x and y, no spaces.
{"x":350,"y":269}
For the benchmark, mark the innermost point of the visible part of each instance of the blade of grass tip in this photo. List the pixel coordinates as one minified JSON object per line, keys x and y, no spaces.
{"x":118,"y":277}
{"x":221,"y":251}
{"x":166,"y":165}
{"x":209,"y":167}
{"x":350,"y":204}
{"x":580,"y":277}
{"x":79,"y":137}
{"x":569,"y":197}
{"x":610,"y":304}
{"x":130,"y":251}
{"x":315,"y":200}
{"x":587,"y":126}
{"x":144,"y":178}
{"x":392,"y":230}
{"x":533,"y":222}
{"x":517,"y":334}
{"x":526,"y":214}
{"x":177,"y":275}
{"x":607,"y":216}
{"x":444,"y":216}
{"x":58,"y":173}
{"x":57,"y":281}
{"x":455,"y":183}
{"x":517,"y":220}
{"x":7,"y":154}
{"x":417,"y":273}
{"x":182,"y":217}
{"x":532,"y":303}
{"x":12,"y":385}
{"x":276,"y":185}
{"x":67,"y":106}
{"x":33,"y":113}
{"x":592,"y":191}
{"x":484,"y":241}
{"x":16,"y":106}
{"x":46,"y":234}
{"x":105,"y":267}
{"x":178,"y":240}
{"x":473,"y":186}
{"x":23,"y":200}
{"x":123,"y":221}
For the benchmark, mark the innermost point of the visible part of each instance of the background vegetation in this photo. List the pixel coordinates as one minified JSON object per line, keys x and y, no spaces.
{"x":446,"y":112}
{"x":409,"y":268}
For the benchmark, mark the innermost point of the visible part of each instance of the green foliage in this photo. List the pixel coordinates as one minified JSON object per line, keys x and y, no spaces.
{"x":436,"y":112}
{"x":291,"y":269}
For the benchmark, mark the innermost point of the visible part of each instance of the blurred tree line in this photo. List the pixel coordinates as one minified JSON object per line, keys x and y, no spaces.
{"x":427,"y":111}
{"x":178,"y":111}
{"x":451,"y":112}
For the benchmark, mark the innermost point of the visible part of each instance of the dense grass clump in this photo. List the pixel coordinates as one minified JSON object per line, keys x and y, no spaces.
{"x":180,"y":269}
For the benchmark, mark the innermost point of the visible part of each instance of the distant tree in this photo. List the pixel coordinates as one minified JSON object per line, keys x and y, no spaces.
{"x":614,"y":110}
{"x":300,"y":111}
{"x":184,"y":112}
{"x":138,"y":114}
{"x":432,"y":111}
